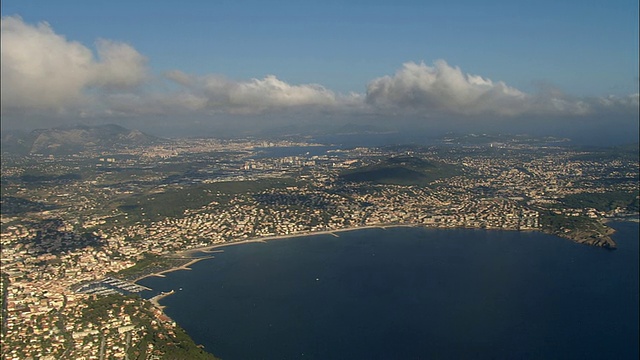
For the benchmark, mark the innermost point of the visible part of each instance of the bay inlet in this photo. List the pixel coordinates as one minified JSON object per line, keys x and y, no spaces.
{"x":412,"y":293}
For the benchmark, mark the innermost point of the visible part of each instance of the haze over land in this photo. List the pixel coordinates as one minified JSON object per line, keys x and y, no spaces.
{"x":236,"y":69}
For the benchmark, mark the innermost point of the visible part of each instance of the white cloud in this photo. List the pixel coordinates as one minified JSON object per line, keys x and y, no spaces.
{"x":181,"y":78}
{"x":443,"y":89}
{"x":628,"y":102}
{"x":120,"y":66}
{"x":43,"y":71}
{"x":271,"y":92}
{"x":257,"y":95}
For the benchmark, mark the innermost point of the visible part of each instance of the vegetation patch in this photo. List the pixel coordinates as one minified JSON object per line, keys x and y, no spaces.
{"x":156,"y":338}
{"x":174,"y":202}
{"x":580,"y":229}
{"x":12,"y":206}
{"x":149,"y":264}
{"x":606,"y":201}
{"x":401,"y":170}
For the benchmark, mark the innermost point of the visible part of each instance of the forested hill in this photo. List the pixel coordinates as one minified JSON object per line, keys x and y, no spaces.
{"x":401,"y":170}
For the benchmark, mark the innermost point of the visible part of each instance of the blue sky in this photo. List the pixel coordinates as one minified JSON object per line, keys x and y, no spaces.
{"x":584,"y":47}
{"x":580,"y":49}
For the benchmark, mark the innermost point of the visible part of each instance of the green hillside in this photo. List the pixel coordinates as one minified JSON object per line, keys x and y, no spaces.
{"x":401,"y":170}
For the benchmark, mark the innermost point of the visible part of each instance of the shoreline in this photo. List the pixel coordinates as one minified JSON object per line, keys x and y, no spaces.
{"x":155,"y":300}
{"x":175,"y":268}
{"x":263,"y":239}
{"x":635,"y":218}
{"x":188,"y":254}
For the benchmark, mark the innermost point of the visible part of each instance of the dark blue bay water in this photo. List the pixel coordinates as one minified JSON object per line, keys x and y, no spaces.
{"x":411,"y":293}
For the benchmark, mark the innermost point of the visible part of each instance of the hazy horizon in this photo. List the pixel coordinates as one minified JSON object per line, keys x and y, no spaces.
{"x":249,"y":68}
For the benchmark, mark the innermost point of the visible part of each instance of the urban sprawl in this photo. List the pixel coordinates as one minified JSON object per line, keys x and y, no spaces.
{"x":80,"y":227}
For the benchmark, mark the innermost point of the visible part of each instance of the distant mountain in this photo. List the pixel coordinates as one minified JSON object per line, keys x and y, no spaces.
{"x":16,"y":142}
{"x":401,"y":170}
{"x":68,"y":140}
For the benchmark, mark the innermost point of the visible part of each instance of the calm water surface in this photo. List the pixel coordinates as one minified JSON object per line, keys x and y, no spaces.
{"x":410,"y":293}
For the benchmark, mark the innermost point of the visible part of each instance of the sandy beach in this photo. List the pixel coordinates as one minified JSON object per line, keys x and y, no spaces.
{"x":189,"y":254}
{"x":262,"y":239}
{"x":215,"y":248}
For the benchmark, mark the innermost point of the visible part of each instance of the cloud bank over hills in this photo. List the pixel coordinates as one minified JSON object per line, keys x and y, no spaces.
{"x":47,"y":78}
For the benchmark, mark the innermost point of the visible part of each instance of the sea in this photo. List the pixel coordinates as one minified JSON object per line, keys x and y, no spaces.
{"x":413,"y":293}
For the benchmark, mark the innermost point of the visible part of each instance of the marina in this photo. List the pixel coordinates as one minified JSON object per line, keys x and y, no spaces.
{"x":110,"y":285}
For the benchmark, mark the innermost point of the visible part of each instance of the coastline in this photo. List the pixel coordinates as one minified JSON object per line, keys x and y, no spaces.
{"x":189,"y":253}
{"x":214,"y":248}
{"x":630,"y":218}
{"x":154,"y":300}
{"x":176,"y":306}
{"x":175,"y":268}
{"x":262,"y":239}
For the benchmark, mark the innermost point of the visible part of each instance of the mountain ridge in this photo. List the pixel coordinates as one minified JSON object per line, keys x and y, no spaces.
{"x":74,"y":139}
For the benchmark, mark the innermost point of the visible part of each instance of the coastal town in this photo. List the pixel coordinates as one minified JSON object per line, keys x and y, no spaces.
{"x":79,"y":227}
